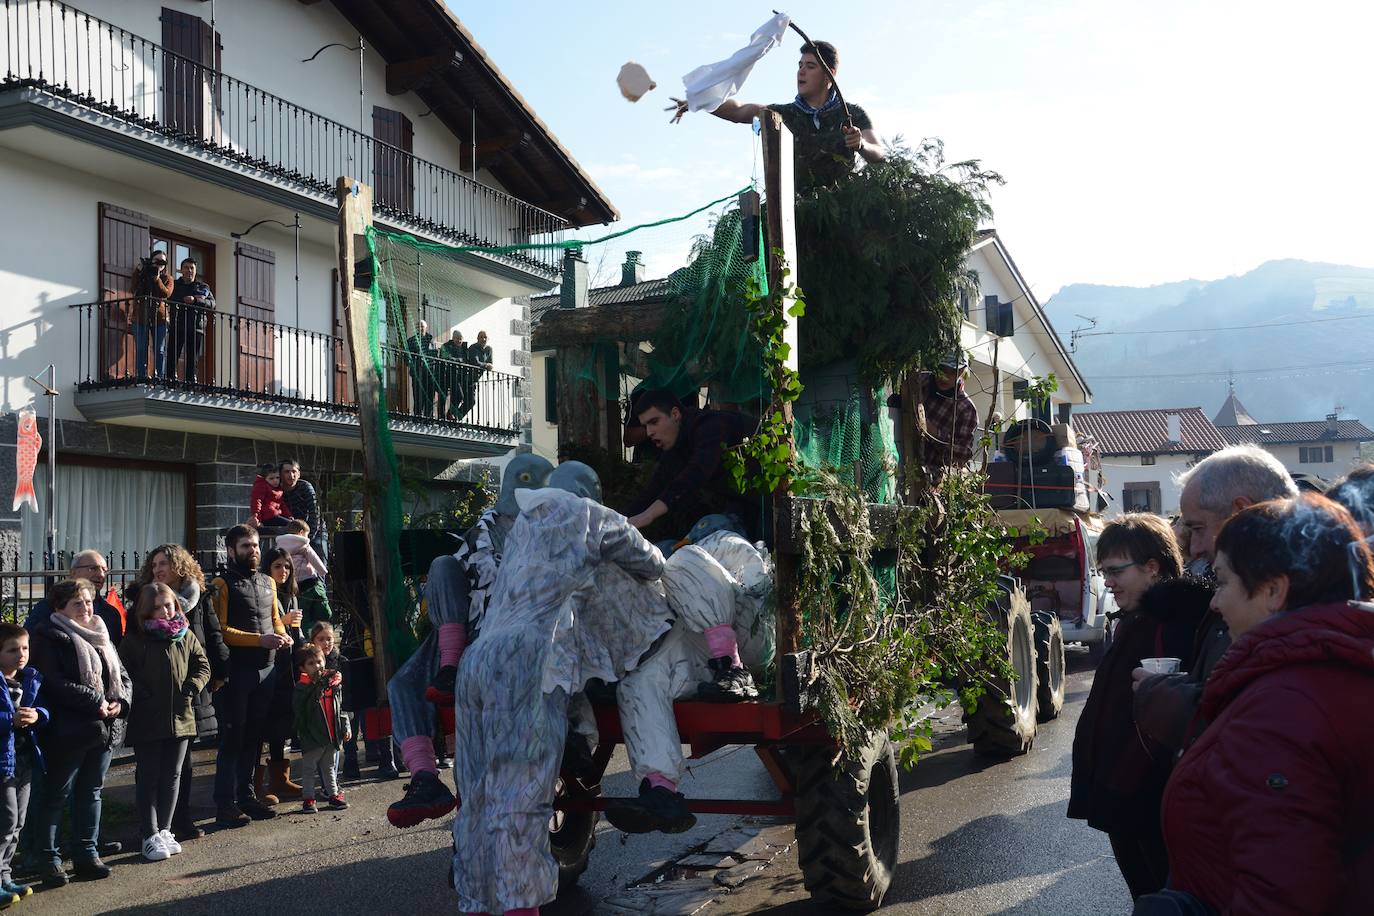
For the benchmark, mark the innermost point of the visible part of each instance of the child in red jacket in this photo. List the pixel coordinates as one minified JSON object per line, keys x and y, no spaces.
{"x":267,"y":505}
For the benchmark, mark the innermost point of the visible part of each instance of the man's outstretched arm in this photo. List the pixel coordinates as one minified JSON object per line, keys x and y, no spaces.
{"x":728,"y":110}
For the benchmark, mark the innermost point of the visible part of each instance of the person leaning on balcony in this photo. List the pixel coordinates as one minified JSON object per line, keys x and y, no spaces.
{"x":420,"y":353}
{"x":152,"y":285}
{"x":454,"y":352}
{"x":479,"y":361}
{"x":191,"y":305}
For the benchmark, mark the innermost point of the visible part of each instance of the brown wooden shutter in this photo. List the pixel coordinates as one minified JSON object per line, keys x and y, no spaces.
{"x":343,"y":357}
{"x":392,"y":180}
{"x":255,"y":272}
{"x":193,"y":53}
{"x":124,"y":240}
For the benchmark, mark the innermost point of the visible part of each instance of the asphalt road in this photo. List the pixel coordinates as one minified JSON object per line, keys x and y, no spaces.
{"x":981,"y":837}
{"x":978,"y":838}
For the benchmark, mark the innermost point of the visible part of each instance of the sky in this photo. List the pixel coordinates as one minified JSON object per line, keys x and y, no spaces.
{"x":1141,"y":142}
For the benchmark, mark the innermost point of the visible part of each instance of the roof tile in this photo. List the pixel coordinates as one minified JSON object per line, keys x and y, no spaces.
{"x":1145,"y":432}
{"x":1292,"y":433}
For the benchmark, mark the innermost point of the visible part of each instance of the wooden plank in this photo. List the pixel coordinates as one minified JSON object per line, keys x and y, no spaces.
{"x":355,"y":215}
{"x":782,"y":250}
{"x":630,"y":322}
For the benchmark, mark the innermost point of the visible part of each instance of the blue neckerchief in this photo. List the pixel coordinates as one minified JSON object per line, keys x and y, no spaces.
{"x":816,"y":113}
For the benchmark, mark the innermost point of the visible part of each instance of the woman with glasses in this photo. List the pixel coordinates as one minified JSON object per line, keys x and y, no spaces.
{"x":1118,"y":779}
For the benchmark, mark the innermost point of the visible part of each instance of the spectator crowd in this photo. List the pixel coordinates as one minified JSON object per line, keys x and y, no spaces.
{"x":1225,"y":745}
{"x":249,"y":658}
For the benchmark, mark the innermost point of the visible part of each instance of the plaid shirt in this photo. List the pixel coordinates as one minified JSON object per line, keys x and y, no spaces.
{"x":951,"y":424}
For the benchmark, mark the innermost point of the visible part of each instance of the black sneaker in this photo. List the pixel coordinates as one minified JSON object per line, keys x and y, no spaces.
{"x":657,"y":808}
{"x":53,"y":876}
{"x":440,"y":690}
{"x":257,"y":810}
{"x":231,"y":816}
{"x":578,"y":759}
{"x":732,"y":684}
{"x":426,"y":797}
{"x":91,"y":869}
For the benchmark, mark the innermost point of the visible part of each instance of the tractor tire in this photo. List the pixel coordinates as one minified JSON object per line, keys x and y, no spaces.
{"x":849,"y":824}
{"x":1049,"y":665}
{"x":1002,"y":724}
{"x":572,"y":836}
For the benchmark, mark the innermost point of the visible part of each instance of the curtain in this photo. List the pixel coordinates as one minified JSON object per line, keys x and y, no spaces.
{"x":118,"y":511}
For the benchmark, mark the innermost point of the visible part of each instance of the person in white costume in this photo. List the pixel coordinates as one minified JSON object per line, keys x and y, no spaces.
{"x":720,"y":590}
{"x":576,"y":598}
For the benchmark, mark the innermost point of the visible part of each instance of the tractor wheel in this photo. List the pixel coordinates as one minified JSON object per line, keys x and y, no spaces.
{"x":1049,"y":665}
{"x":1002,"y":724}
{"x":572,"y":834}
{"x":849,"y":823}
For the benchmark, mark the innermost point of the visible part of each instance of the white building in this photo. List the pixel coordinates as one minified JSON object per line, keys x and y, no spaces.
{"x":128,"y":125}
{"x":1142,"y":452}
{"x":1324,"y":448}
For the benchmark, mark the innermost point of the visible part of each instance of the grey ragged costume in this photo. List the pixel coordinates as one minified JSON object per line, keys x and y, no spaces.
{"x":722,"y":580}
{"x":576,"y":598}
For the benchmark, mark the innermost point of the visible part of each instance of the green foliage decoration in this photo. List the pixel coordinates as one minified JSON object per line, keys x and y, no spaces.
{"x":883,"y":259}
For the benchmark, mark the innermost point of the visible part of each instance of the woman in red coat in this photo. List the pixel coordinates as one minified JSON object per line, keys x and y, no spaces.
{"x":1272,"y":808}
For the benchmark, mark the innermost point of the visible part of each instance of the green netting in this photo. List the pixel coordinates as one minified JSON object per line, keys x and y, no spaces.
{"x":702,"y":349}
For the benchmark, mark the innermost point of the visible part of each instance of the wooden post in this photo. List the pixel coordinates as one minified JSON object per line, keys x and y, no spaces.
{"x":355,"y":215}
{"x":781,"y":237}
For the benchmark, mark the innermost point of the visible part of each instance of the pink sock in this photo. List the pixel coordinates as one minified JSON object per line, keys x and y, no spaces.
{"x":418,"y":754}
{"x":452,"y":638}
{"x":722,"y":643}
{"x":658,"y":779}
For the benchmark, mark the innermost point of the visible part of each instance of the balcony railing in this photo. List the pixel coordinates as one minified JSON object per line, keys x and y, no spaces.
{"x":132,"y":341}
{"x":63,"y":51}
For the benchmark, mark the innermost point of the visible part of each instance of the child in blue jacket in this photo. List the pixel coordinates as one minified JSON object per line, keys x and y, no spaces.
{"x":20,"y":719}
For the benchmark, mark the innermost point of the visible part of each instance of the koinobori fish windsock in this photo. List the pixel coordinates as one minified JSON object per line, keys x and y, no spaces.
{"x":26,"y":459}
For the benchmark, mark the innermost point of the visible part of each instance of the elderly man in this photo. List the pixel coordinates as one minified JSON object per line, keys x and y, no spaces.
{"x":89,"y":565}
{"x":1213,"y":491}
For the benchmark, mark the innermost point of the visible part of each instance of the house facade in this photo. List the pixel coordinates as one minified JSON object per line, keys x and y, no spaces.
{"x":1326,"y":448}
{"x":133,"y":126}
{"x":1142,"y":453}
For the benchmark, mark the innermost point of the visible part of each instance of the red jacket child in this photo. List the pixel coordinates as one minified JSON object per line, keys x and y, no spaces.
{"x":267,"y":502}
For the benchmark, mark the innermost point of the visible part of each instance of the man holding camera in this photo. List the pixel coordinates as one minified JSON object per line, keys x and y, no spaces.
{"x":152,"y":286}
{"x":192,"y":303}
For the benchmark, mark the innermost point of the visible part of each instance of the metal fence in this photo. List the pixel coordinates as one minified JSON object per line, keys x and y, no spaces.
{"x":66,"y":52}
{"x":141,"y":340}
{"x":26,"y":577}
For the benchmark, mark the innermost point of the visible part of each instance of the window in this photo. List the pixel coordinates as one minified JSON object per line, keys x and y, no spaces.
{"x":550,"y":389}
{"x":1147,"y":460}
{"x":1316,"y":454}
{"x":1141,"y":497}
{"x":999,"y":317}
{"x":966,"y":297}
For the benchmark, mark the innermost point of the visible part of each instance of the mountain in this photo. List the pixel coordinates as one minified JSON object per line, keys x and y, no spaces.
{"x":1298,"y":337}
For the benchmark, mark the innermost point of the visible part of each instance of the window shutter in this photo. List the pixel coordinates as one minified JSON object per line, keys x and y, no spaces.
{"x":124,"y":240}
{"x":392,"y":182}
{"x":550,"y":389}
{"x":255,"y":271}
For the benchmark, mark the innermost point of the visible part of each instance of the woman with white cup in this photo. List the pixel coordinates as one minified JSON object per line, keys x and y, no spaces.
{"x":1118,"y":779}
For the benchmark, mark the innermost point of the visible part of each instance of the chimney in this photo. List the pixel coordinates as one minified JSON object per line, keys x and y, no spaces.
{"x":1333,"y":425}
{"x":572,"y":293}
{"x":632,"y":271}
{"x":1174,"y":423}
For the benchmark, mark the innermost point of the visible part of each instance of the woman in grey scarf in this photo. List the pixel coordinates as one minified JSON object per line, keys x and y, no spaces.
{"x":87,"y":692}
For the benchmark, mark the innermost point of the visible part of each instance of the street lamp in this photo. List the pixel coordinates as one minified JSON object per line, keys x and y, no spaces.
{"x":296,"y":226}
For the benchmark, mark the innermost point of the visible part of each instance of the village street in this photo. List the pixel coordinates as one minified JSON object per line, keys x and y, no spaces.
{"x":978,"y":838}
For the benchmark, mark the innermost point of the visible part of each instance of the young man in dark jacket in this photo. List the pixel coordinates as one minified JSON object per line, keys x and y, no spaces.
{"x":690,"y":480}
{"x":191,"y":304}
{"x":245,"y":602}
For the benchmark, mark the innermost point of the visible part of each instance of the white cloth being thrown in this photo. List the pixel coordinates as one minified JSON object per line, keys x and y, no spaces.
{"x":93,"y":647}
{"x":709,"y":85}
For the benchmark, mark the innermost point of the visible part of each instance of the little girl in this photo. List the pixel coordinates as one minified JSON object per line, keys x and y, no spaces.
{"x":267,"y":502}
{"x":319,"y":726}
{"x":169,"y":669}
{"x":326,"y":638}
{"x":310,"y":572}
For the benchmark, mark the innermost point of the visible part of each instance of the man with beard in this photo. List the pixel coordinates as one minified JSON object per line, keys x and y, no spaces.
{"x":245,"y":601}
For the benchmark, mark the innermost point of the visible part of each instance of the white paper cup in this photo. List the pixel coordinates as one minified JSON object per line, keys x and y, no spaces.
{"x":1161,"y":665}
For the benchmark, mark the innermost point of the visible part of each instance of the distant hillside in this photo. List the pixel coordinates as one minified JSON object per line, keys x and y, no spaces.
{"x":1316,"y":349}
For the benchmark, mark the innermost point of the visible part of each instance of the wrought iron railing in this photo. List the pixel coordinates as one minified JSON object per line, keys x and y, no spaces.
{"x":58,"y":49}
{"x":144,"y":341}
